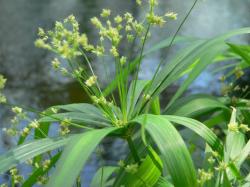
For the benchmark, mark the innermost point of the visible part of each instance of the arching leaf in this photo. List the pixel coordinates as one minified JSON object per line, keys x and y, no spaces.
{"x":75,"y":156}
{"x":175,"y":156}
{"x":29,"y":150}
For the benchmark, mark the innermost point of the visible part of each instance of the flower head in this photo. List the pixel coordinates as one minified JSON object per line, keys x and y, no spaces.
{"x":105,"y":13}
{"x":171,"y":15}
{"x":233,"y":127}
{"x":132,"y":168}
{"x":55,"y":63}
{"x":91,"y":81}
{"x":114,"y":51}
{"x":17,"y":110}
{"x":34,"y":124}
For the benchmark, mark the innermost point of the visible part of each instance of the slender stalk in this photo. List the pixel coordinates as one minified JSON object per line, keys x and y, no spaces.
{"x":169,"y":47}
{"x":139,"y":65}
{"x":92,"y":71}
{"x":133,"y":150}
{"x":78,"y":181}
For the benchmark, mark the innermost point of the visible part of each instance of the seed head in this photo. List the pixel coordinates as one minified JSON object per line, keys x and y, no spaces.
{"x":105,"y":13}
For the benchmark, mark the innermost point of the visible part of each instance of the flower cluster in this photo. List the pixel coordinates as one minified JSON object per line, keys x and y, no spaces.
{"x":234,"y":127}
{"x":15,"y":176}
{"x":64,"y":126}
{"x":65,"y":39}
{"x":158,"y":20}
{"x":204,"y":176}
{"x":19,"y":116}
{"x":232,"y":88}
{"x":91,"y":81}
{"x":130,"y":168}
{"x":2,"y":84}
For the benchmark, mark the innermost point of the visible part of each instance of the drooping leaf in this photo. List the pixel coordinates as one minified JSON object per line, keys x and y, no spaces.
{"x":75,"y":156}
{"x":29,"y":150}
{"x":194,"y":105}
{"x":242,"y":51}
{"x":78,"y":118}
{"x":203,"y":131}
{"x":81,"y":107}
{"x":175,"y":155}
{"x":203,"y":51}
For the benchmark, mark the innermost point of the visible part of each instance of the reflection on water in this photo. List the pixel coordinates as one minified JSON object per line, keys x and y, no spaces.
{"x":31,"y":81}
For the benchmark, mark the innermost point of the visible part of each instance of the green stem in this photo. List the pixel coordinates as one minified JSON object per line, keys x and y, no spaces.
{"x":139,"y":65}
{"x":133,"y":150}
{"x":78,"y":181}
{"x":169,"y":47}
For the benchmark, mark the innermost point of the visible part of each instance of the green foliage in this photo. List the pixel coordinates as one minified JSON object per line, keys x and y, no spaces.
{"x":131,"y":110}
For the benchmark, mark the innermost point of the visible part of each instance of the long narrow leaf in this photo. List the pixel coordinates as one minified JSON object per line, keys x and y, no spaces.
{"x":75,"y":156}
{"x":175,"y":155}
{"x":194,"y":105}
{"x":200,"y":129}
{"x":29,"y":150}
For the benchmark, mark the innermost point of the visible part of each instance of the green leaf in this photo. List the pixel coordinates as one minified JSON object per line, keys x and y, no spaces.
{"x":235,"y":141}
{"x":162,"y":182}
{"x":195,"y":105}
{"x":242,"y":51}
{"x":102,"y":175}
{"x":29,"y":150}
{"x":175,"y":155}
{"x":78,"y":118}
{"x":75,"y":156}
{"x":216,"y":119}
{"x":168,"y":73}
{"x":202,"y":130}
{"x":224,"y":181}
{"x":155,"y":106}
{"x":243,"y":154}
{"x":204,"y":61}
{"x":132,"y":99}
{"x":81,"y":107}
{"x":207,"y":52}
{"x":148,"y":172}
{"x":202,"y":51}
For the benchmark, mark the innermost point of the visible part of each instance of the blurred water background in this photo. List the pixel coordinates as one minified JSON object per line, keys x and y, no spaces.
{"x":32,"y":82}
